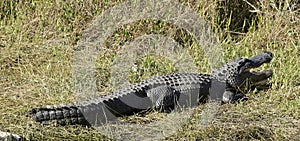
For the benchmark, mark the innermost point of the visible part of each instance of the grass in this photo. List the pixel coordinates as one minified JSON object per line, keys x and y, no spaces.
{"x":36,"y":50}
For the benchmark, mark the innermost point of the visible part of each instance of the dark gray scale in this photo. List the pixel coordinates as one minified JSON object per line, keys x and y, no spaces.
{"x":163,"y":98}
{"x":175,"y":82}
{"x":127,"y":101}
{"x":94,"y":113}
{"x":153,"y":82}
{"x":138,"y":87}
{"x":167,"y":80}
{"x":61,"y":115}
{"x":171,"y":81}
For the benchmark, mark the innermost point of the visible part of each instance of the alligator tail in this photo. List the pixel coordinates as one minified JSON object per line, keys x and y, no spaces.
{"x":61,"y":115}
{"x":96,"y":112}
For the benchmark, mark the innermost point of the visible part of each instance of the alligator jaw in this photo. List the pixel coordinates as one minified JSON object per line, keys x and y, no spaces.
{"x":257,"y":77}
{"x":255,"y":62}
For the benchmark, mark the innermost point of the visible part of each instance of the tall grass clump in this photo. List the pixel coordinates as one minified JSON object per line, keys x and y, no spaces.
{"x":37,"y":39}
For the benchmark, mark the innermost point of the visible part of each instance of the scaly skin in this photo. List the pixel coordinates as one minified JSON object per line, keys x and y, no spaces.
{"x":164,"y":93}
{"x":135,"y":98}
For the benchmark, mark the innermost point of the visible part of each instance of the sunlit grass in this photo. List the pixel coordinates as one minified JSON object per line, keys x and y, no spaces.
{"x":36,"y":50}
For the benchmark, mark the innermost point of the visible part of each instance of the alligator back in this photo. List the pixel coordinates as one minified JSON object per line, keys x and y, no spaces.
{"x":134,"y":98}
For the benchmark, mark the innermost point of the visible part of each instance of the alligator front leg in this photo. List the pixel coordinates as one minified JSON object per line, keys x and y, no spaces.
{"x":163,"y":98}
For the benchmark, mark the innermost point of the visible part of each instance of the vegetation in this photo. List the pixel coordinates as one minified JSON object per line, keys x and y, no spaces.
{"x":37,"y":40}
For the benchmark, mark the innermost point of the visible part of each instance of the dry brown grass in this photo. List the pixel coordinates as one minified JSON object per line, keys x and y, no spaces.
{"x":36,"y":48}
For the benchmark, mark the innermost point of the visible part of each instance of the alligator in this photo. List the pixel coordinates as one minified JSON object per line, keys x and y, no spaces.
{"x":164,"y":93}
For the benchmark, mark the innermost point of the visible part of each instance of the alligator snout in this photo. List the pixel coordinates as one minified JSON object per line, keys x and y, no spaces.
{"x":260,"y":59}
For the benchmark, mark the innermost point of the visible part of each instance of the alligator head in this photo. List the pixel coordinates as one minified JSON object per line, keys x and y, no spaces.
{"x":237,"y":74}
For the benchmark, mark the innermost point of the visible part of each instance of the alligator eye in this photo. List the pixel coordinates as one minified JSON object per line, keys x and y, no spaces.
{"x":242,"y":63}
{"x":224,"y":71}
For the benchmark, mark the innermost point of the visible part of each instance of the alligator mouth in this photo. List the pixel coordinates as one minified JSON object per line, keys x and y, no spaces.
{"x":258,"y":78}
